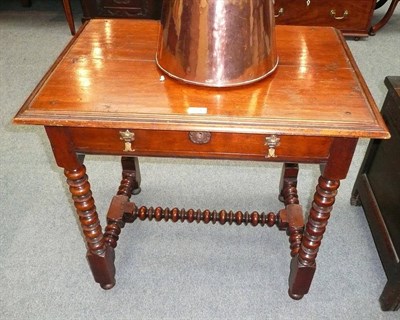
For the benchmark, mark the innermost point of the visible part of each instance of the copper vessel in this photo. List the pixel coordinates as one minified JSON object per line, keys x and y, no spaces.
{"x":217,"y":43}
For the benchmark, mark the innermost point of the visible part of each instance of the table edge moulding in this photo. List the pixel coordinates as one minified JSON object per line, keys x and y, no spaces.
{"x":105,"y":95}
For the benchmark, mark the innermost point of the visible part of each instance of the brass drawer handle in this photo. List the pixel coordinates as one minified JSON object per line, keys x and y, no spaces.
{"x":280,"y":12}
{"x":333,"y":14}
{"x":128,"y":137}
{"x":272,"y":142}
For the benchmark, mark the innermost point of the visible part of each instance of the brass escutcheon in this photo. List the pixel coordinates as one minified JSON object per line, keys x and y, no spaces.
{"x":272,"y":142}
{"x":200,"y":137}
{"x":128,"y":137}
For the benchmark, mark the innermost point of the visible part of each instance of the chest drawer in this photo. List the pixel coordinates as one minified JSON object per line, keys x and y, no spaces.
{"x":200,"y":144}
{"x":351,"y":17}
{"x":122,"y":8}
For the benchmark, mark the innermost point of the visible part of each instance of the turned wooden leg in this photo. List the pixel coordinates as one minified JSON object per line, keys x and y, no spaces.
{"x":288,"y":192}
{"x":303,"y":265}
{"x":293,"y":212}
{"x":100,"y":256}
{"x":131,"y":179}
{"x":120,"y":205}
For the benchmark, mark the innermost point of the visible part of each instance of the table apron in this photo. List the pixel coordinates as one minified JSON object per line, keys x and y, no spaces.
{"x":212,"y":145}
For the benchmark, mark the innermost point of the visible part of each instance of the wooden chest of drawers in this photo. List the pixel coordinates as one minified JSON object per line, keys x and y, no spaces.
{"x":353,"y":18}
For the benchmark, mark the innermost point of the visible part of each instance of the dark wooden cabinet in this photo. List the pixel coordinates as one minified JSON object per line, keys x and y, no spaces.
{"x":353,"y":18}
{"x":144,"y":9}
{"x":377,"y":188}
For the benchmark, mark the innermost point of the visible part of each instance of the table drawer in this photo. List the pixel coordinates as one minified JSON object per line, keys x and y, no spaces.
{"x":351,"y":17}
{"x":200,"y":144}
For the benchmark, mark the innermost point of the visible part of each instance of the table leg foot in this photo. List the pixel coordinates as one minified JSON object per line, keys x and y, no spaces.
{"x":295,"y":296}
{"x":107,"y":286}
{"x":300,"y":278}
{"x":103,"y":268}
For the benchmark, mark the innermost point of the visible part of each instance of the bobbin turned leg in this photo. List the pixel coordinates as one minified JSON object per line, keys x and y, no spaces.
{"x":100,"y":256}
{"x":303,"y":265}
{"x":130,"y":170}
{"x":293,"y":212}
{"x":120,"y":205}
{"x":288,"y":184}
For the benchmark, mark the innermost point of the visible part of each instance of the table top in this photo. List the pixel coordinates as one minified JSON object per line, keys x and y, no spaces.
{"x":107,"y":78}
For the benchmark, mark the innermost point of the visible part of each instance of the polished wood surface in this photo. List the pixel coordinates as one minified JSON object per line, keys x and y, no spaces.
{"x":110,"y":79}
{"x":377,"y":189}
{"x":105,"y":95}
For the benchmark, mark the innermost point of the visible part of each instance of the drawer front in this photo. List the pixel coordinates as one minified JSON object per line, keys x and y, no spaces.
{"x":351,"y":17}
{"x":129,"y":8}
{"x":201,"y":144}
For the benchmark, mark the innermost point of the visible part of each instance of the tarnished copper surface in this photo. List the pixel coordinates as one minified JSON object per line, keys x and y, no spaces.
{"x":217,"y":43}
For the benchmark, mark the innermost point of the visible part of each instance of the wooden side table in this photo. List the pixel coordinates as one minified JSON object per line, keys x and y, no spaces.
{"x":377,"y":188}
{"x":105,"y":95}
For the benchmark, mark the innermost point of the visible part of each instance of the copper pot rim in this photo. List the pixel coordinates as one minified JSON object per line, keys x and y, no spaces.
{"x":216,"y":85}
